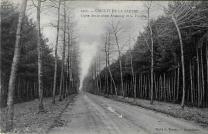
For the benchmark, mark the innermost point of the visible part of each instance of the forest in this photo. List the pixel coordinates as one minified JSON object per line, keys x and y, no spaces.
{"x":29,"y":68}
{"x":167,"y":62}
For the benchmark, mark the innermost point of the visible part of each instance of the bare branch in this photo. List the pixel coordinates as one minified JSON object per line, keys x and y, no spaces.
{"x":34,"y":3}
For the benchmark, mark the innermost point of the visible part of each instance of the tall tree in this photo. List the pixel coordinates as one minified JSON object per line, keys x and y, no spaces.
{"x":116,"y":29}
{"x":198,"y":76}
{"x":207,"y":59}
{"x":63,"y":56}
{"x":107,"y":50}
{"x":148,"y":6}
{"x":132,"y":68}
{"x":69,"y":56}
{"x":10,"y":99}
{"x":98,"y":76}
{"x":106,"y":64}
{"x":1,"y":88}
{"x":56,"y":56}
{"x":182,"y":59}
{"x":39,"y":49}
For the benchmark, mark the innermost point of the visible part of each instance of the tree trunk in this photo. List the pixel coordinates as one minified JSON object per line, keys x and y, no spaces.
{"x":97,"y":82}
{"x":182,"y":60}
{"x":99,"y":77}
{"x":194,"y":84}
{"x":132,"y":70}
{"x":27,"y":90}
{"x":69,"y":57}
{"x":160,"y":88}
{"x":156,"y":87}
{"x":18,"y":89}
{"x":141,"y":86}
{"x":10,"y":99}
{"x":191,"y":82}
{"x":106,"y":61}
{"x":70,"y":66}
{"x":198,"y":77}
{"x":174,"y":86}
{"x":207,"y":61}
{"x":145,"y":86}
{"x":107,"y":82}
{"x":112,"y":80}
{"x":31,"y":91}
{"x":56,"y":56}
{"x":39,"y":47}
{"x":63,"y":57}
{"x":1,"y":78}
{"x":164,"y":88}
{"x":135,"y":92}
{"x":152,"y":61}
{"x":169,"y":89}
{"x":120,"y":65}
{"x":178,"y":82}
{"x":202,"y":75}
{"x":107,"y":51}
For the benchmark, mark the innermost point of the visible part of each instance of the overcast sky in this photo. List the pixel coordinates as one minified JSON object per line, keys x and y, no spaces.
{"x":90,"y":30}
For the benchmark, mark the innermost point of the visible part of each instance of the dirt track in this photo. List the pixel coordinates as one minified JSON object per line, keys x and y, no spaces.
{"x":92,"y":114}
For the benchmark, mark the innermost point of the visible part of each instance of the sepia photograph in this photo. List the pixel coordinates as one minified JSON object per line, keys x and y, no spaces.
{"x":103,"y":67}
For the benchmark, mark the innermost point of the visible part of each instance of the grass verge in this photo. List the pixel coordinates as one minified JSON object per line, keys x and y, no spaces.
{"x":197,"y":115}
{"x":28,"y":120}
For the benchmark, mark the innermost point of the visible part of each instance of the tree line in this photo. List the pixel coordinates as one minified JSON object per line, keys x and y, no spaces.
{"x":168,"y":61}
{"x":29,"y":69}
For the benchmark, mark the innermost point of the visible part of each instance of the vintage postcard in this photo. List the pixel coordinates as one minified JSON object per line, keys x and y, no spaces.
{"x":103,"y":67}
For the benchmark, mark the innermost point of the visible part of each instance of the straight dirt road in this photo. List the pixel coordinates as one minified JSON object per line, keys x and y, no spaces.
{"x":91,"y":114}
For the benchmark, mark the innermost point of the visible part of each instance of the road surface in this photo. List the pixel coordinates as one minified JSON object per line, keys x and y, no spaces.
{"x":91,"y":114}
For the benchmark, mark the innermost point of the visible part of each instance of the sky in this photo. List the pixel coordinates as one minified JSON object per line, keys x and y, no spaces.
{"x":91,"y":30}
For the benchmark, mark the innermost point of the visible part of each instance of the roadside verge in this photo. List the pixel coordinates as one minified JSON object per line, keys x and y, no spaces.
{"x":196,"y":115}
{"x":28,"y":120}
